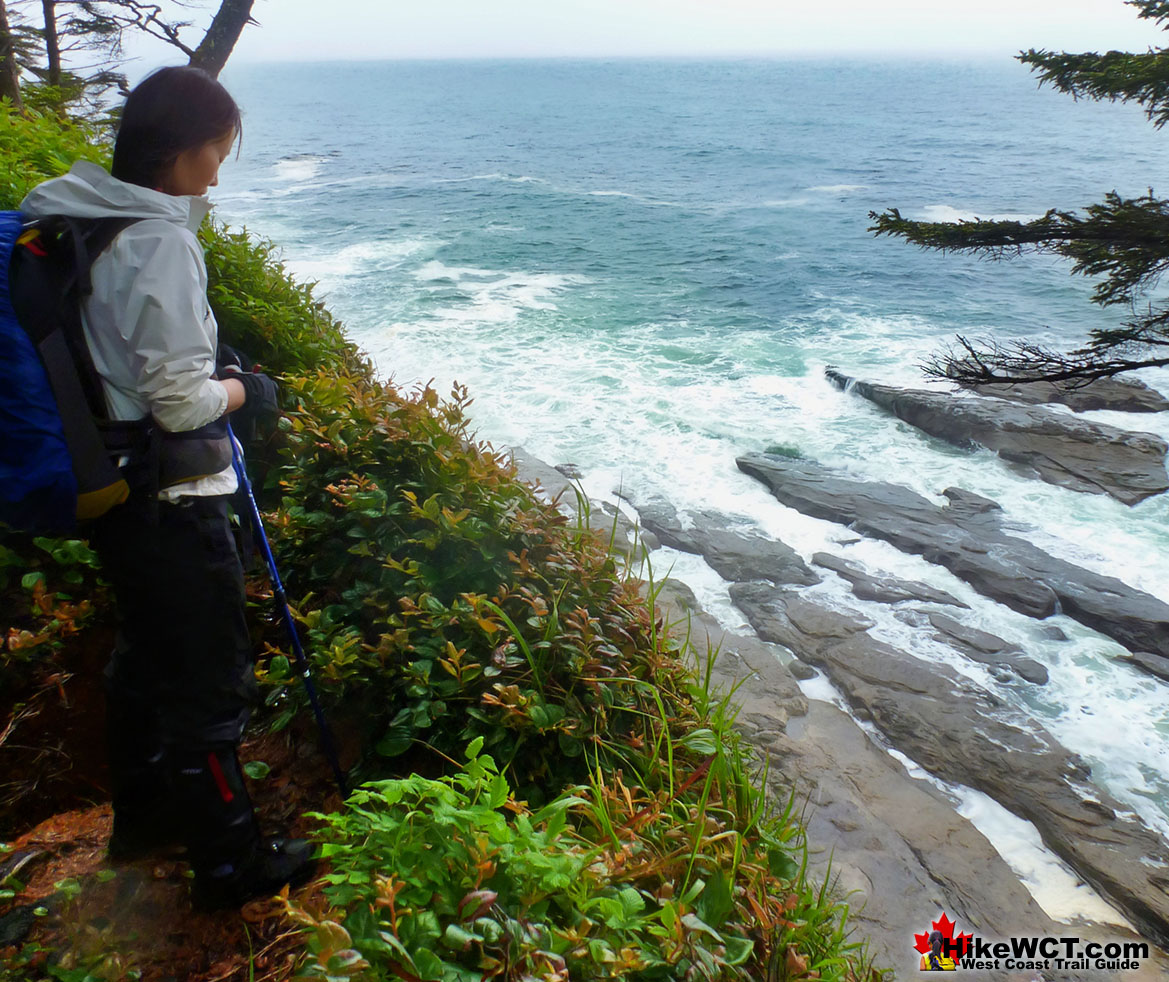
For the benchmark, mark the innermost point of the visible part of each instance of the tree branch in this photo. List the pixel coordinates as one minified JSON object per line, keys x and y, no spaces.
{"x":1123,"y":240}
{"x":990,"y":361}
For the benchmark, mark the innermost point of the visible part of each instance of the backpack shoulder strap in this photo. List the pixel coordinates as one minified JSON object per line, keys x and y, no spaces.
{"x":51,"y":279}
{"x":91,"y":237}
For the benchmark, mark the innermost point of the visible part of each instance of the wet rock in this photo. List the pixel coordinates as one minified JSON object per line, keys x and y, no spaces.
{"x":884,"y":837}
{"x":541,"y":475}
{"x":1157,"y":665}
{"x":882,"y":587}
{"x":1123,"y":395}
{"x":615,"y":525}
{"x":552,"y":484}
{"x":912,"y":616}
{"x":1059,"y":448}
{"x":802,"y":671}
{"x":966,"y":735}
{"x":771,"y":696}
{"x":982,"y":642}
{"x":973,"y":509}
{"x":816,"y":621}
{"x":734,"y":555}
{"x":988,"y":649}
{"x":571,"y":471}
{"x":1030,"y":670}
{"x":680,"y":595}
{"x":896,"y":844}
{"x":973,"y":546}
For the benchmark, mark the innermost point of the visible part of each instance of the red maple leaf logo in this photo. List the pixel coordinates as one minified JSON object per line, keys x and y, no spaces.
{"x":958,"y":947}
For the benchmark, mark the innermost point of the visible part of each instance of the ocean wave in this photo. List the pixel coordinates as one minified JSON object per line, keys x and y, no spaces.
{"x":947,"y":213}
{"x":506,"y":178}
{"x":300,"y":167}
{"x":560,"y":189}
{"x":361,"y":257}
{"x":626,"y":194}
{"x":838,"y":188}
{"x":487,"y":296}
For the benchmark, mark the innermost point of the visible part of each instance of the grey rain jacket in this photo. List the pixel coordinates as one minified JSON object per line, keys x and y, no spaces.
{"x":148,"y":324}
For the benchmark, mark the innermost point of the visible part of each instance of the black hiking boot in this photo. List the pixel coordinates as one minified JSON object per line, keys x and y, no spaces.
{"x":273,"y":863}
{"x":231,"y":861}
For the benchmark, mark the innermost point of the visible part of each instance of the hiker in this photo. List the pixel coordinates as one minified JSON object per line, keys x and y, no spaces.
{"x":934,"y":960}
{"x":180,"y":683}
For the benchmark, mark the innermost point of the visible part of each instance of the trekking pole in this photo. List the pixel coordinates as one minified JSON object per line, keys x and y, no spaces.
{"x":237,"y":460}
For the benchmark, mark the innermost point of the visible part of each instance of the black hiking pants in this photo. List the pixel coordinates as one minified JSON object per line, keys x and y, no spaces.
{"x":181,"y":677}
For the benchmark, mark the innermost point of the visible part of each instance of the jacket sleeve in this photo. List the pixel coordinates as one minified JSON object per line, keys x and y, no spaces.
{"x":168,"y":327}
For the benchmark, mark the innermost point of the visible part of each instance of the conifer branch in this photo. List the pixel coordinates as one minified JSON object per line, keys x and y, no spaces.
{"x":989,"y":361}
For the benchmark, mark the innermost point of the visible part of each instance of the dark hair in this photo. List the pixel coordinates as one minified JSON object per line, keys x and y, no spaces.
{"x":170,"y":111}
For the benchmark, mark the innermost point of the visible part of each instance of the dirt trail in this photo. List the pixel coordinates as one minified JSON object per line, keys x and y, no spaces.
{"x":136,"y":916}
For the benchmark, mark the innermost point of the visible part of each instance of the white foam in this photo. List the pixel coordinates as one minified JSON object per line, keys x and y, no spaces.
{"x":820,"y":688}
{"x":298,"y":169}
{"x":486,"y":296}
{"x":640,"y":198}
{"x":505,"y":178}
{"x":839,"y":188}
{"x":439,"y":272}
{"x":661,"y":417}
{"x":1050,"y":881}
{"x":948,"y":213}
{"x":1053,"y":884}
{"x":360,"y":258}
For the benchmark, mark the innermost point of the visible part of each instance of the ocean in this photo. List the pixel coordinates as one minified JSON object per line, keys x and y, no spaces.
{"x":643,"y":267}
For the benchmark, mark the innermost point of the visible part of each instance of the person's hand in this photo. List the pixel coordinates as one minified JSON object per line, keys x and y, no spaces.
{"x":262,"y":397}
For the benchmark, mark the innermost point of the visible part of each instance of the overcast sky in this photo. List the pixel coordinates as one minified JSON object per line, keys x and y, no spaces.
{"x":364,"y":29}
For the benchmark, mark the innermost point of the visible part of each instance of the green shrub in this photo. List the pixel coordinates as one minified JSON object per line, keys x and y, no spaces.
{"x":38,"y":146}
{"x":265,"y":312}
{"x":456,"y":880}
{"x":442,"y":598}
{"x":49,"y":589}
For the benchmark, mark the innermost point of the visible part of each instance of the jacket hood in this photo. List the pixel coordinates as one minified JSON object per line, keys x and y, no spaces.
{"x":88,"y":191}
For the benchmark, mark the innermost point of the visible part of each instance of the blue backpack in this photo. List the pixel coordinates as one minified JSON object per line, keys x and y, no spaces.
{"x":56,"y":465}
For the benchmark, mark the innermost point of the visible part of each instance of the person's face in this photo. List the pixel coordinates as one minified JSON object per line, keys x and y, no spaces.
{"x":197,"y":169}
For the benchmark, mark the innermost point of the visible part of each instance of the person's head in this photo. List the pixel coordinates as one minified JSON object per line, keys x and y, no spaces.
{"x":936,"y":942}
{"x":177,"y":127}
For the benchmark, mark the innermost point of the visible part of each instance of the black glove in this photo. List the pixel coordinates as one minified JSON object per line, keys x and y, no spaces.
{"x":229,"y":362}
{"x":262,"y":398}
